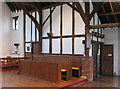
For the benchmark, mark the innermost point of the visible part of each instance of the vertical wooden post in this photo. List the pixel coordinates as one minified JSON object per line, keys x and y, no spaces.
{"x":73,"y":28}
{"x":31,"y":29}
{"x":93,"y":24}
{"x":24,"y":32}
{"x":35,"y":28}
{"x":101,"y":32}
{"x":50,"y":40}
{"x":97,"y":31}
{"x":93,"y":31}
{"x":86,"y":27}
{"x":31,"y":37}
{"x":40,"y":31}
{"x":61,"y":29}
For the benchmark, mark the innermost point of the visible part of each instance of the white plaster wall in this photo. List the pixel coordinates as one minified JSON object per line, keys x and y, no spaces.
{"x":112,"y":39}
{"x":0,"y":42}
{"x":17,"y":35}
{"x":119,"y":51}
{"x":6,"y":21}
{"x":1,"y":29}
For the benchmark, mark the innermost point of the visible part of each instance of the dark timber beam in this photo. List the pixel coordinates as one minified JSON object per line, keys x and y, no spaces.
{"x":96,"y":8}
{"x":72,"y":7}
{"x":105,"y":25}
{"x":54,"y":5}
{"x":50,"y":40}
{"x":73,"y":27}
{"x":13,"y":9}
{"x":31,"y":29}
{"x":87,"y":28}
{"x":93,"y":30}
{"x":61,"y":29}
{"x":24,"y":29}
{"x":34,"y":10}
{"x":35,"y":28}
{"x":113,"y":13}
{"x":9,"y":6}
{"x":105,"y":12}
{"x":13,"y":4}
{"x":98,"y":28}
{"x":112,"y":9}
{"x":48,"y":16}
{"x":68,"y":36}
{"x":40,"y":31}
{"x":32,"y":4}
{"x":81,"y":12}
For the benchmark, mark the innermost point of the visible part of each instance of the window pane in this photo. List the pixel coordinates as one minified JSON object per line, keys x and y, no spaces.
{"x":13,"y":23}
{"x":79,"y":46}
{"x":67,"y":45}
{"x":56,"y":46}
{"x":45,"y":46}
{"x":17,"y":24}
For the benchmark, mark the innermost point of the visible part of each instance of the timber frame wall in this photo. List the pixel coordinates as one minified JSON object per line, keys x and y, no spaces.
{"x":85,"y":16}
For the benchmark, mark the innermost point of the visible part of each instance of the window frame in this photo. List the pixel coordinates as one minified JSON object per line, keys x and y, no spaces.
{"x":15,"y":19}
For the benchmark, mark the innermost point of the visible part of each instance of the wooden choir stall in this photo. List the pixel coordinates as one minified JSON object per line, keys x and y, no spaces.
{"x":55,"y":68}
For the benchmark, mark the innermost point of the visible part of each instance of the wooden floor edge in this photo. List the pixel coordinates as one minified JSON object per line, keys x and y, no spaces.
{"x":74,"y":84}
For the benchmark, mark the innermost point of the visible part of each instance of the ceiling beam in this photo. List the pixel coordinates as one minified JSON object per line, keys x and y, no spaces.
{"x":32,"y":4}
{"x":112,"y":9}
{"x":13,"y":9}
{"x":81,"y":12}
{"x":105,"y":25}
{"x":105,"y":12}
{"x":9,"y":6}
{"x":96,"y":8}
{"x":112,"y":13}
{"x":37,"y":6}
{"x":54,"y":5}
